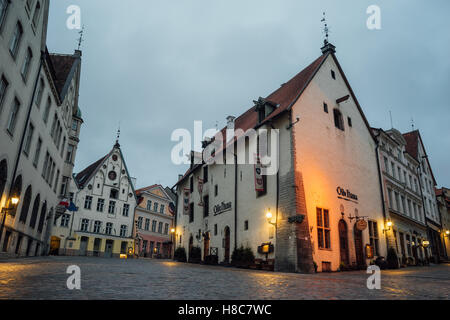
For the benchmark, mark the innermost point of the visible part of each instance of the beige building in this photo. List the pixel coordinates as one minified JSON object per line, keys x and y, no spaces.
{"x":324,"y":201}
{"x":39,"y":127}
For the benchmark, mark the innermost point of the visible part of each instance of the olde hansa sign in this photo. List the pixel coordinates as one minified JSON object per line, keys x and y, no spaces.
{"x":345,"y":194}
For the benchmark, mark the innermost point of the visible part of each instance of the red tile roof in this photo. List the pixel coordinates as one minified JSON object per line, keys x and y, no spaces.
{"x":284,"y":97}
{"x":412,"y":143}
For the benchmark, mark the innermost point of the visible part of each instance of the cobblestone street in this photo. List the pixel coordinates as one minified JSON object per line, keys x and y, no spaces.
{"x":45,"y":278}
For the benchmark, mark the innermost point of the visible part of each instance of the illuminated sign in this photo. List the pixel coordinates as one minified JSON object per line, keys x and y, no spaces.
{"x":345,"y":194}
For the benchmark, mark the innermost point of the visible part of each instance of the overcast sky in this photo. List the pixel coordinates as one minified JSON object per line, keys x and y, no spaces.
{"x":158,"y":65}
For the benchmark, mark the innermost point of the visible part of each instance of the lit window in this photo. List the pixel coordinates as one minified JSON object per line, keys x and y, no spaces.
{"x":323,"y":229}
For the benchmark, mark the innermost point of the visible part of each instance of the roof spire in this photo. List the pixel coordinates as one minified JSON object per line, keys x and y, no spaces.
{"x":118,"y":137}
{"x":80,"y":39}
{"x":327,"y":46}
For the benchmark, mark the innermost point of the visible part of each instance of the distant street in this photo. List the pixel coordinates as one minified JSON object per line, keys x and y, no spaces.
{"x":45,"y":278}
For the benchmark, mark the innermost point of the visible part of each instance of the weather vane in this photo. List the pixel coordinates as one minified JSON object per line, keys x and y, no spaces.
{"x":326,"y":30}
{"x":80,"y":39}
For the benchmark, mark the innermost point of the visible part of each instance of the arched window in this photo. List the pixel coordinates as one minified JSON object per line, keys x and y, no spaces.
{"x":42,"y":217}
{"x":35,"y":211}
{"x":25,"y":205}
{"x":3,"y":177}
{"x":338,"y":119}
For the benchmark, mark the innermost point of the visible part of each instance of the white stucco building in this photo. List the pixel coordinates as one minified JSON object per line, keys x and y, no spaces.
{"x":403,"y":198}
{"x":40,"y":122}
{"x":325,"y":200}
{"x":105,"y":198}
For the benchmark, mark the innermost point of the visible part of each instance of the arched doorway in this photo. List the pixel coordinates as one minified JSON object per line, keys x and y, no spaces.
{"x":359,"y":251}
{"x":55,"y":243}
{"x":206,"y":245}
{"x":3,"y":177}
{"x":343,"y":241}
{"x":227,"y":245}
{"x":35,"y":211}
{"x":25,"y":205}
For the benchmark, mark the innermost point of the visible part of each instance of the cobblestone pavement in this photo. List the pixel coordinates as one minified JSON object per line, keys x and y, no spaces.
{"x":45,"y":278}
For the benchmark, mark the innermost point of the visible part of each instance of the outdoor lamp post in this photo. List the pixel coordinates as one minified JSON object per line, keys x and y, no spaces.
{"x":172,"y":236}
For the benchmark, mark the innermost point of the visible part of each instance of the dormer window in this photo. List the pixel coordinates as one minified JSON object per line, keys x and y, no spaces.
{"x":338,"y":119}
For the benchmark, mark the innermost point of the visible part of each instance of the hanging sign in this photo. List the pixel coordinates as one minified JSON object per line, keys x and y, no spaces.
{"x":200,"y":191}
{"x":361,"y":225}
{"x":259,"y":181}
{"x":186,"y":193}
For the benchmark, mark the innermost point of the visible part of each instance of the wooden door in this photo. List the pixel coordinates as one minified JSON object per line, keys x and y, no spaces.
{"x":359,"y":250}
{"x":343,"y":241}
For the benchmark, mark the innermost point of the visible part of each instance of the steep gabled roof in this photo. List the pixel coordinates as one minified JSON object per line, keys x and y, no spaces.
{"x":413,"y":139}
{"x":148,"y":189}
{"x":85,"y":175}
{"x":63,"y":67}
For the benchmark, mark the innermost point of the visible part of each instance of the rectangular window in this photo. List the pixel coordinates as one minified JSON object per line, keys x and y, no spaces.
{"x":69,"y":153}
{"x":15,"y":40}
{"x":29,"y":137}
{"x":97,"y":226}
{"x":333,"y":74}
{"x":161,"y":209}
{"x":147,"y":224}
{"x":216,"y":190}
{"x":3,"y":88}
{"x":191,"y":213}
{"x":108,"y":228}
{"x":88,"y":202}
{"x":160,"y":226}
{"x":155,"y":207}
{"x":37,"y":153}
{"x":56,"y":181}
{"x":39,"y":93}
{"x":205,"y":174}
{"x":325,"y":107}
{"x":26,"y":64}
{"x":373,"y":234}
{"x":100,"y":205}
{"x":126,"y":210}
{"x":154,"y":226}
{"x":166,"y":228}
{"x":47,"y":110}
{"x":323,"y":229}
{"x":64,"y":183}
{"x":149,"y":205}
{"x":246,"y":225}
{"x":112,"y":207}
{"x":350,"y":124}
{"x":386,"y":165}
{"x":139,"y":222}
{"x":338,"y":119}
{"x":123,"y":230}
{"x":65,"y":218}
{"x":13,"y":116}
{"x":3,"y":8}
{"x":84,"y":225}
{"x":191,"y":184}
{"x":215,"y":230}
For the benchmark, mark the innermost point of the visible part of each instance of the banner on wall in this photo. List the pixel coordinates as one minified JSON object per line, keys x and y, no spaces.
{"x":186,"y":193}
{"x":200,"y":191}
{"x":259,"y":181}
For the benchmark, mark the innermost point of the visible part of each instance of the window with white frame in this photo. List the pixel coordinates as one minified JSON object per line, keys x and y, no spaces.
{"x":112,"y":207}
{"x":97,"y":226}
{"x":123,"y":230}
{"x":100,"y":205}
{"x":126,"y":210}
{"x":108,"y":229}
{"x":84,"y":225}
{"x":88,"y":202}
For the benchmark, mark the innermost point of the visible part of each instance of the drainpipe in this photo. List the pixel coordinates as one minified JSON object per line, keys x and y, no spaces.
{"x":235,"y":197}
{"x":16,"y":165}
{"x":382,"y":190}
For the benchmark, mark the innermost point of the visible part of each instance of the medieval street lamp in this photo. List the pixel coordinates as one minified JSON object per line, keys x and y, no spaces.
{"x":388,"y":225}
{"x":425,"y":243}
{"x":269,"y":218}
{"x":14,"y":201}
